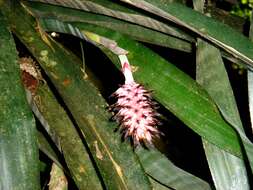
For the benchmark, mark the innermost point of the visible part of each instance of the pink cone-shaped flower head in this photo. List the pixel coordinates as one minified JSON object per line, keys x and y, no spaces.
{"x":134,"y":110}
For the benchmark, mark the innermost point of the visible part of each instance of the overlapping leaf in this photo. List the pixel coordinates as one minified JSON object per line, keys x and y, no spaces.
{"x":112,"y":157}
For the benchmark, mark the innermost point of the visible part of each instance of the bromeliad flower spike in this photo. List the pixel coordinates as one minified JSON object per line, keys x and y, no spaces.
{"x":134,"y":110}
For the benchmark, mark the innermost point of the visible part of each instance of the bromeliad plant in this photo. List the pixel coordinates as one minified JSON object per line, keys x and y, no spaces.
{"x":73,"y":134}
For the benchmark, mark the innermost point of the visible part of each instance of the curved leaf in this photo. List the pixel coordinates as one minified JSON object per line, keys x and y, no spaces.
{"x":107,"y":7}
{"x":219,"y":34}
{"x":135,"y":31}
{"x":63,"y":132}
{"x":233,"y":42}
{"x":228,"y":171}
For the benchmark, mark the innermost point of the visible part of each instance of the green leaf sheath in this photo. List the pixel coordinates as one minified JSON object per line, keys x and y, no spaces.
{"x":19,"y":158}
{"x":117,"y":163}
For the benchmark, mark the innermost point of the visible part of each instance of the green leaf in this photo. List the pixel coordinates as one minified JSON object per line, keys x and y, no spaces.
{"x":227,"y":170}
{"x":63,"y":133}
{"x":19,"y":157}
{"x":116,"y":161}
{"x":135,"y":31}
{"x":165,"y":172}
{"x":207,"y":28}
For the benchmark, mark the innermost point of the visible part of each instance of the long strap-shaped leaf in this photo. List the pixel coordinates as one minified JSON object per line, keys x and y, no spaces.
{"x":227,"y":170}
{"x":221,"y":35}
{"x":209,"y":29}
{"x":140,"y":33}
{"x":117,"y":163}
{"x":19,"y":159}
{"x":106,"y":7}
{"x":165,"y":172}
{"x":52,"y":116}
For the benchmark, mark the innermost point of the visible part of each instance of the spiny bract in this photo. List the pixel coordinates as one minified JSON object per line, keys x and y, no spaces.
{"x":136,"y":113}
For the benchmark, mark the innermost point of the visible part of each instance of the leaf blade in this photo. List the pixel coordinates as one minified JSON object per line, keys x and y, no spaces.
{"x":18,"y":148}
{"x":207,"y":28}
{"x":132,"y":30}
{"x":227,"y":170}
{"x":164,"y":171}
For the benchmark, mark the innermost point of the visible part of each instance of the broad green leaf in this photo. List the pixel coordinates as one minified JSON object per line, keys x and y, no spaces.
{"x":228,"y":171}
{"x":19,"y":157}
{"x":118,"y":165}
{"x":63,"y":133}
{"x":135,"y":31}
{"x":164,"y":171}
{"x":207,"y":28}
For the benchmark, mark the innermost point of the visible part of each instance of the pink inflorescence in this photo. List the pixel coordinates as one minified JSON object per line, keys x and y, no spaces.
{"x":136,"y":113}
